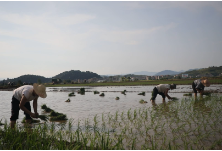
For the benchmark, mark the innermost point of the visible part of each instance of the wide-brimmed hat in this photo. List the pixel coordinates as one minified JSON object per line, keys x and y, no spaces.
{"x":206,"y":83}
{"x":173,"y":86}
{"x":40,"y":90}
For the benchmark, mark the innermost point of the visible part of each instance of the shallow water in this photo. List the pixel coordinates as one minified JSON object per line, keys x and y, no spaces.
{"x":90,"y":104}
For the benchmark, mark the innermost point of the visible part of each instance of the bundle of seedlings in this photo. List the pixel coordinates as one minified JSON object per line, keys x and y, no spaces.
{"x":117,"y":98}
{"x":72,"y":94}
{"x":67,"y":100}
{"x":102,"y":94}
{"x":142,"y":93}
{"x":124,"y":92}
{"x":43,"y":117}
{"x":53,"y":113}
{"x":96,"y":92}
{"x":187,"y":94}
{"x":59,"y":118}
{"x":32,"y":120}
{"x":81,"y":91}
{"x":142,"y":101}
{"x":45,"y":108}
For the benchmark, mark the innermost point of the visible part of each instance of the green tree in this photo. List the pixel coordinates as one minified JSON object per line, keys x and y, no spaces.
{"x":39,"y":81}
{"x":19,"y":82}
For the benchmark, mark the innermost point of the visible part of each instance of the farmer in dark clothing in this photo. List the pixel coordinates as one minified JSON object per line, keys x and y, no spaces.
{"x":162,"y":89}
{"x":199,"y":85}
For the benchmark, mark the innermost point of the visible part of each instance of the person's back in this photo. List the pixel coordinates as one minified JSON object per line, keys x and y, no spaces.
{"x":25,"y":90}
{"x":163,"y":87}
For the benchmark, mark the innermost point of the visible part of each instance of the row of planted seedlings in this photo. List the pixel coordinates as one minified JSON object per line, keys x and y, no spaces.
{"x":186,"y":124}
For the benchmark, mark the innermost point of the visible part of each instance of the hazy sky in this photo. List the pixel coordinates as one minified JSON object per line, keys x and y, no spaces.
{"x":47,"y":38}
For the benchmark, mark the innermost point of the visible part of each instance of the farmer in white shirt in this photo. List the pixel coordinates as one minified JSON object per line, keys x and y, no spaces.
{"x":162,"y":89}
{"x":21,"y":100}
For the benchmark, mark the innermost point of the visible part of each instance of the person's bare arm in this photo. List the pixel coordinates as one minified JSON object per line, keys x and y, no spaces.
{"x":21,"y":105}
{"x":166,"y":94}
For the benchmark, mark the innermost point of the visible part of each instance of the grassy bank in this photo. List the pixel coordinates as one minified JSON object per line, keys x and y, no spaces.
{"x":185,"y":124}
{"x":134,"y":83}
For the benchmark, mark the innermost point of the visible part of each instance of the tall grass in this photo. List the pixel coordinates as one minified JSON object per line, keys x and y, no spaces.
{"x":186,"y":124}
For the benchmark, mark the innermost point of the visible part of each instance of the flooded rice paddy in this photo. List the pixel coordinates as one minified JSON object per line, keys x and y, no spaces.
{"x":90,"y":104}
{"x":187,"y":123}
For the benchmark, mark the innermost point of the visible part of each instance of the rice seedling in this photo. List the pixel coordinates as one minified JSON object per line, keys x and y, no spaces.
{"x":72,"y":94}
{"x":81,"y":91}
{"x":173,"y":125}
{"x":142,"y":101}
{"x":174,"y":98}
{"x":45,"y":108}
{"x":58,"y":118}
{"x":96,"y":92}
{"x":102,"y":94}
{"x":43,"y":117}
{"x":32,"y":120}
{"x":207,"y":93}
{"x":68,"y":100}
{"x":117,"y":98}
{"x":187,"y":94}
{"x":142,"y":93}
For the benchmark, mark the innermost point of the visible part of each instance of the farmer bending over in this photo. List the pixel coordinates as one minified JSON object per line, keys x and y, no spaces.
{"x":198,"y":85}
{"x":162,"y":89}
{"x":21,"y":100}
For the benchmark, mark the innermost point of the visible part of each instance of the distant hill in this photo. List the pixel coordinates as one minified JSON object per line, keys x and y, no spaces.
{"x":214,"y":71}
{"x":167,"y":72}
{"x":144,"y":73}
{"x":30,"y":79}
{"x":76,"y":74}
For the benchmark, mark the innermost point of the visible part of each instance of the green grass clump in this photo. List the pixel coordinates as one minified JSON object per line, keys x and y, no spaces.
{"x":117,"y":98}
{"x":82,"y":91}
{"x":187,"y":94}
{"x":142,"y":101}
{"x":72,"y":94}
{"x":102,"y":94}
{"x":96,"y":92}
{"x":142,"y":93}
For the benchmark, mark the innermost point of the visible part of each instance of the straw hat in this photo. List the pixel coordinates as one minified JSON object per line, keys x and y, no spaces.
{"x":173,"y":86}
{"x":206,"y":83}
{"x":40,"y":90}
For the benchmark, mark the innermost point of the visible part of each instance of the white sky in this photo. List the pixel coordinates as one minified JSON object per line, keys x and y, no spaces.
{"x":47,"y":38}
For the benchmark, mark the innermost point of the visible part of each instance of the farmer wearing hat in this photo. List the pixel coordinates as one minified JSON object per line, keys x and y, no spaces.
{"x":21,"y":100}
{"x":198,"y":85}
{"x":162,"y":89}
